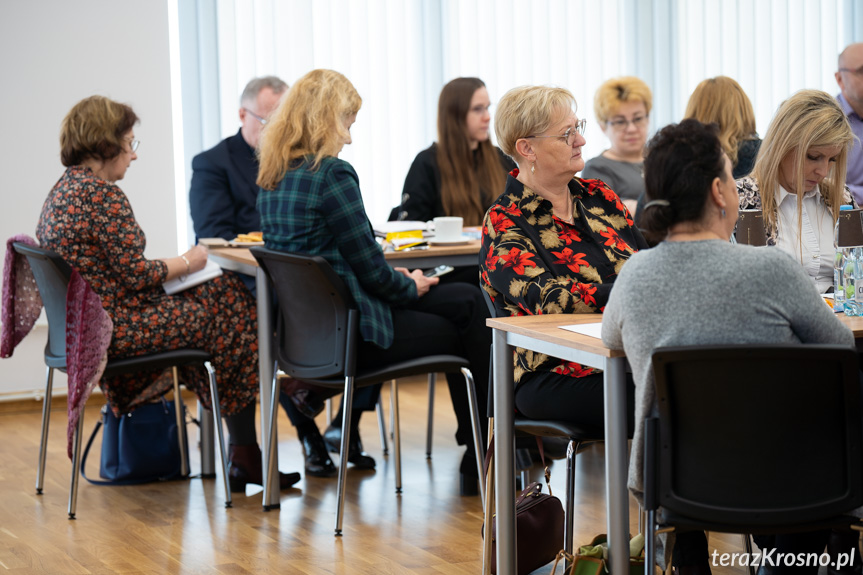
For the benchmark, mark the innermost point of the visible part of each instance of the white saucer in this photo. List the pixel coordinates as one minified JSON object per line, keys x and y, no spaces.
{"x":456,"y":242}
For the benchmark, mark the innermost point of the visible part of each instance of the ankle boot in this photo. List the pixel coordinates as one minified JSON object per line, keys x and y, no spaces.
{"x":318,"y":462}
{"x":245,"y":467}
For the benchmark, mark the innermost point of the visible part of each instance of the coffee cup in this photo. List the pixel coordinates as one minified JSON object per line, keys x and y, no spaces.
{"x":448,"y":229}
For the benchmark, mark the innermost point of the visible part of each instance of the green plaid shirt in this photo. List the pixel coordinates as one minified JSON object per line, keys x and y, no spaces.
{"x":321,"y":213}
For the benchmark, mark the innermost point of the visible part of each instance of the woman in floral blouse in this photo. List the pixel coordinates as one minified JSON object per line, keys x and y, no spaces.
{"x":799,"y":180}
{"x":89,"y":221}
{"x":552,"y":243}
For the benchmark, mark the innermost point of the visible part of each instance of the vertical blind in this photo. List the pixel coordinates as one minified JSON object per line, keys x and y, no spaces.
{"x":399,"y":53}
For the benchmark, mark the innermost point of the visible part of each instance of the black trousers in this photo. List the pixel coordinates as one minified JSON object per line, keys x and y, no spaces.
{"x":449,"y":319}
{"x":545,"y":395}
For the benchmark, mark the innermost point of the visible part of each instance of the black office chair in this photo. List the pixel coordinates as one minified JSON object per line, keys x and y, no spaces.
{"x":577,"y":435}
{"x":317,"y":339}
{"x":52,"y":275}
{"x":788,"y":415}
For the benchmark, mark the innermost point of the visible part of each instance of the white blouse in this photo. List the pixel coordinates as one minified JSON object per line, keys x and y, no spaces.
{"x":815,"y":252}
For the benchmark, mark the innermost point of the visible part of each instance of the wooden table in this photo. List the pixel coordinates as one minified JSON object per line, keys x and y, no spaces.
{"x":542,"y":333}
{"x":241,"y":260}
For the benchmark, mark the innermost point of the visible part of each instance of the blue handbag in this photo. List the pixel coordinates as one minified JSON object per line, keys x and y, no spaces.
{"x":139,"y":447}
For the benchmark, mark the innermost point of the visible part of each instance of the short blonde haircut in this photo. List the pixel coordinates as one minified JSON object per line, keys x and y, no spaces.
{"x":612,"y":93}
{"x":722,"y":101}
{"x":808,"y":118}
{"x":528,"y":111}
{"x":310,"y":121}
{"x":94,"y":129}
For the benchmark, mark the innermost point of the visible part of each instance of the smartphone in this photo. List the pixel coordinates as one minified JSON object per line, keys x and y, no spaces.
{"x":438,"y":271}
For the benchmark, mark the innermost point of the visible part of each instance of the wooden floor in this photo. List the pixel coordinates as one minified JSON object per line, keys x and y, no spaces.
{"x":183,"y":527}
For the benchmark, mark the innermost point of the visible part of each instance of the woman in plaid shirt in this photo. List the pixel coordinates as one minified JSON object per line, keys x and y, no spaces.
{"x":310,"y":203}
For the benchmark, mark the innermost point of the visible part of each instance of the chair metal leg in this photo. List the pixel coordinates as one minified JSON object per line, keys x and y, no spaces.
{"x":649,"y":543}
{"x":46,"y":419}
{"x":77,"y":439}
{"x":569,"y":513}
{"x":430,"y":429}
{"x":477,"y":432}
{"x":397,"y":437}
{"x":747,"y":545}
{"x":382,"y":426}
{"x":329,"y":404}
{"x":206,"y":442}
{"x":217,"y":423}
{"x":181,"y":425}
{"x":347,"y":400}
{"x":270,"y":439}
{"x":488,"y":510}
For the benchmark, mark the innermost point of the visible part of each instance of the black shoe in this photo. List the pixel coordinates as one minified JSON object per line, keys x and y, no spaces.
{"x":318,"y":462}
{"x":468,"y":481}
{"x":356,"y":455}
{"x":245,"y":467}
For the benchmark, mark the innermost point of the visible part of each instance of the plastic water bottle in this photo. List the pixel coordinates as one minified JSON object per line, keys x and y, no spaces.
{"x":847,"y":275}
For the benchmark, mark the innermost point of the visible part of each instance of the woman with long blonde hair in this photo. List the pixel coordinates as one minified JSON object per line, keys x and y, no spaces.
{"x":723,"y":102}
{"x":310,"y":203}
{"x":463,"y":172}
{"x":799,"y":180}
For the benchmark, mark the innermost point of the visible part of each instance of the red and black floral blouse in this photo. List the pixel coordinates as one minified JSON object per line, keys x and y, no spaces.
{"x":532,"y":262}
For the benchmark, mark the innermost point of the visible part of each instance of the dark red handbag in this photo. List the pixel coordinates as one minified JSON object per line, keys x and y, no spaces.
{"x":539,"y":523}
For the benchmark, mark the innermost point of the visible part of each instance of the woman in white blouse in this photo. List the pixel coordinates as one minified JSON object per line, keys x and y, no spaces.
{"x":799,"y":180}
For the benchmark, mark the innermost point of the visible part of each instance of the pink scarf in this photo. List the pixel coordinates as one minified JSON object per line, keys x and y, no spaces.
{"x":88,"y":328}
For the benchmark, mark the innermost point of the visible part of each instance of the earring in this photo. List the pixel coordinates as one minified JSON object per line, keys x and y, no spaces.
{"x":533,"y":168}
{"x":722,"y":212}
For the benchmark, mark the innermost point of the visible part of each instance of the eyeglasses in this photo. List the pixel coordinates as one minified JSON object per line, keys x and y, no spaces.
{"x":858,"y":71}
{"x":133,"y":145}
{"x":480,"y":109}
{"x":263,"y":121}
{"x":569,"y":135}
{"x":621,"y":125}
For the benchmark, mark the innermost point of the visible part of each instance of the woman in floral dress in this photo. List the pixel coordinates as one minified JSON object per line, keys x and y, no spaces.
{"x":552,"y":243}
{"x":88,"y":220}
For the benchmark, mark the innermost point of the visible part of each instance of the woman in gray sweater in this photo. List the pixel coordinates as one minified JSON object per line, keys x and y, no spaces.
{"x":701,"y":289}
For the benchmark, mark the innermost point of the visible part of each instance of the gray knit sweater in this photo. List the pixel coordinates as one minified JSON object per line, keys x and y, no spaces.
{"x":708,"y":292}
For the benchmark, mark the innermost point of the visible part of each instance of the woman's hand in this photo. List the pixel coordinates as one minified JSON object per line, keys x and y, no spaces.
{"x":423,"y":283}
{"x":197,"y":258}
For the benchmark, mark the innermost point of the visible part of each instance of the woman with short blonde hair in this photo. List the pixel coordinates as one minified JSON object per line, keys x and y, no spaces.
{"x":552,"y":243}
{"x":622,"y":106}
{"x":799,"y":180}
{"x":723,"y":102}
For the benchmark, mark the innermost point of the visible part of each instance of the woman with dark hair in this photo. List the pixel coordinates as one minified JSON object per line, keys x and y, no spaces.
{"x":88,"y":220}
{"x":463,"y":172}
{"x":705,"y":289}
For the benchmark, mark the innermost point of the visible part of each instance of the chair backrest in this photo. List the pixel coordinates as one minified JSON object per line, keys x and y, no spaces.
{"x":52,"y":275}
{"x":757,"y":435}
{"x":317,"y":322}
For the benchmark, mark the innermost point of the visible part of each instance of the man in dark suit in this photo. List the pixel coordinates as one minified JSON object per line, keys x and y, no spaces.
{"x":222,"y":200}
{"x":224,"y":189}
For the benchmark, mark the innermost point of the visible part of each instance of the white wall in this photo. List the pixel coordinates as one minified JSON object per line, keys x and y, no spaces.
{"x":54,"y":53}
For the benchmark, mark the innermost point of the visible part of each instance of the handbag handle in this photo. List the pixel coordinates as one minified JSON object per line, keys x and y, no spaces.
{"x":567,"y":557}
{"x":490,"y":451}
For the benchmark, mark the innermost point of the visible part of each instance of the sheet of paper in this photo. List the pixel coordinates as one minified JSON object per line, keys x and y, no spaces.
{"x":591,"y":329}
